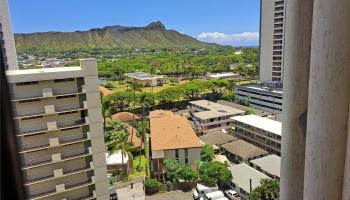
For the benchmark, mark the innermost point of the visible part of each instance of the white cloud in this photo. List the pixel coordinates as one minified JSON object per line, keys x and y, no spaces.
{"x":239,"y":39}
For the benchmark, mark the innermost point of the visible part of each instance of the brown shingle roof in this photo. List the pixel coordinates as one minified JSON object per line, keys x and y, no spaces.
{"x":243,"y":149}
{"x":169,"y":131}
{"x":125,"y":116}
{"x":105,"y":91}
{"x":217,"y":137}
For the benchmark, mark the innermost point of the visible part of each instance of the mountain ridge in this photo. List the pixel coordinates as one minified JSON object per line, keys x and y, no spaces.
{"x":153,"y":35}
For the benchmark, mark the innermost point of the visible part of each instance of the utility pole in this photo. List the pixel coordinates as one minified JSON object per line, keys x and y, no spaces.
{"x":250,"y":187}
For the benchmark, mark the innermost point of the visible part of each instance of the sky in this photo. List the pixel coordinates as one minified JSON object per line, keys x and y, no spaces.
{"x":228,"y":22}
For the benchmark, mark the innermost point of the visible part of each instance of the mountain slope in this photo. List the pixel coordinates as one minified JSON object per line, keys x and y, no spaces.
{"x":151,"y":36}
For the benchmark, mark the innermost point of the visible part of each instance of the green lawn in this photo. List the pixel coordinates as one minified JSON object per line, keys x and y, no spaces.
{"x":136,"y":162}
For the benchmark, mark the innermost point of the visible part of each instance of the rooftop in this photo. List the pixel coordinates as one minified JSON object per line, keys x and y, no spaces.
{"x":243,"y":149}
{"x":105,"y":91}
{"x":263,"y":123}
{"x":125,"y":116}
{"x":264,"y":88}
{"x":214,"y":110}
{"x":270,"y":164}
{"x":242,"y":174}
{"x":142,"y":76}
{"x":116,"y":158}
{"x":42,"y":70}
{"x":217,"y":137}
{"x":169,"y":131}
{"x":221,"y":75}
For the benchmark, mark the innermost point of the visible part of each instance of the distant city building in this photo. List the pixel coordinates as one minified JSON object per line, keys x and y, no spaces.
{"x":225,"y":76}
{"x":245,"y":178}
{"x":6,"y":37}
{"x":145,"y":79}
{"x":172,"y":137}
{"x":57,"y":113}
{"x":238,"y":52}
{"x":269,"y":165}
{"x":264,"y":98}
{"x":209,"y":116}
{"x":259,"y":131}
{"x":272,"y":14}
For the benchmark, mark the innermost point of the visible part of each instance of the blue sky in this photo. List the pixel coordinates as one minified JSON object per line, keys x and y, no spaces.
{"x":233,"y":22}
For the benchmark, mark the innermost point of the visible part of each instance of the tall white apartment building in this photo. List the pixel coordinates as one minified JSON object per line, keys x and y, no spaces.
{"x":57,"y":113}
{"x":6,"y":37}
{"x":272,"y":14}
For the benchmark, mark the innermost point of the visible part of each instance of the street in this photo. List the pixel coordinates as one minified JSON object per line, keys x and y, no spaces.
{"x":173,"y":195}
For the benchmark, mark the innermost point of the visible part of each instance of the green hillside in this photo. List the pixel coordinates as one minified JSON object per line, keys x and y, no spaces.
{"x":154,"y":35}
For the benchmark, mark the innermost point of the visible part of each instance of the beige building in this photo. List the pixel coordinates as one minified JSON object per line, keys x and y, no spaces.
{"x":172,"y":137}
{"x":271,"y":40}
{"x":209,"y":116}
{"x":145,"y":79}
{"x":6,"y":36}
{"x":241,"y":151}
{"x":260,"y":131}
{"x":57,"y":113}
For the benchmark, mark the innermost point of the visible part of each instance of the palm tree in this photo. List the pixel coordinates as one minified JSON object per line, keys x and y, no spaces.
{"x":116,"y":136}
{"x":135,"y":87}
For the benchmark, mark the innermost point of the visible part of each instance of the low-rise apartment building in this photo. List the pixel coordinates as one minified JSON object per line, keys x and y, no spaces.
{"x":264,"y":98}
{"x":260,"y":131}
{"x":57,"y":113}
{"x":172,"y":137}
{"x":145,"y":79}
{"x":269,"y":165}
{"x":209,"y":116}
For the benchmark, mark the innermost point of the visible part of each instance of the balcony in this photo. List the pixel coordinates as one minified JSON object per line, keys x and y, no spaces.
{"x":53,"y":158}
{"x":54,"y":142}
{"x":58,"y":173}
{"x":49,"y":191}
{"x":49,"y":92}
{"x":48,"y":109}
{"x":52,"y":126}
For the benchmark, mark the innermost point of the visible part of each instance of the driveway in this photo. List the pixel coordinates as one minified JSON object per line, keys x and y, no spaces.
{"x":173,"y":195}
{"x":136,"y":193}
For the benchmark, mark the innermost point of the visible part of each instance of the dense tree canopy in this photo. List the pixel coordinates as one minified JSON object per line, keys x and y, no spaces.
{"x":268,"y":190}
{"x":215,"y":173}
{"x":207,"y":153}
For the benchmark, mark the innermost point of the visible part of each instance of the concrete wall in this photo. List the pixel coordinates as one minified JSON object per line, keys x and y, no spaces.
{"x":193,"y":154}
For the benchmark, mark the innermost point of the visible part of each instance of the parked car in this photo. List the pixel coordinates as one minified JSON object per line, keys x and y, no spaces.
{"x":201,"y":190}
{"x":218,"y":195}
{"x":231,"y":194}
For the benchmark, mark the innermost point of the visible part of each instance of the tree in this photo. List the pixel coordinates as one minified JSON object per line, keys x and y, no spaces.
{"x":173,"y":80}
{"x":169,"y":95}
{"x":116,"y":137}
{"x":214,"y":173}
{"x":117,"y":101}
{"x":268,"y":190}
{"x":192,"y":89}
{"x":217,"y":87}
{"x":171,"y":167}
{"x":186,"y":173}
{"x":207,"y":153}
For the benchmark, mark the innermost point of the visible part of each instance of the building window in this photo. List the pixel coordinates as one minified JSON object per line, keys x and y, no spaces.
{"x":63,"y":80}
{"x":64,"y":97}
{"x":28,"y":83}
{"x":66,"y":113}
{"x":29,"y":100}
{"x":186,"y":156}
{"x":177,"y":154}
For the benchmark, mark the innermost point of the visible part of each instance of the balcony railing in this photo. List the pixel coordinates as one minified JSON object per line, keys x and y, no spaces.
{"x":55,"y":92}
{"x":46,"y":143}
{"x":48,"y":159}
{"x":50,"y":174}
{"x":68,"y":107}
{"x":36,"y":194}
{"x":41,"y":110}
{"x":44,"y":128}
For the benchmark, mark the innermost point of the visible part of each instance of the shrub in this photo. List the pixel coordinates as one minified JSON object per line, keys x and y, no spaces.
{"x":109,"y":85}
{"x":152,"y":186}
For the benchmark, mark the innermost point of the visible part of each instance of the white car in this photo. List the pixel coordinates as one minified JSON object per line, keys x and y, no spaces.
{"x":231,"y":194}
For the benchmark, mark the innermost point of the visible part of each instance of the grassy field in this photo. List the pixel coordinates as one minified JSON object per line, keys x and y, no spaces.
{"x":136,"y":162}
